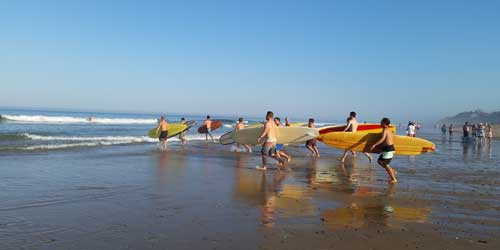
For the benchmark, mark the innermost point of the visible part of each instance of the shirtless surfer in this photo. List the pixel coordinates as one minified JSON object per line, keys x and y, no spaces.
{"x":241,"y":125}
{"x":163,"y":130}
{"x":352,"y":126}
{"x":208,"y":124}
{"x":311,"y":144}
{"x":269,"y":146}
{"x":387,"y":142}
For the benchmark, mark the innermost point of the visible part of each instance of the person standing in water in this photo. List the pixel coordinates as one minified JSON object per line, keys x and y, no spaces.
{"x":387,"y":142}
{"x":162,"y":129}
{"x":443,"y":129}
{"x":474,"y":130}
{"x":465,"y":129}
{"x":411,"y":131}
{"x":352,"y":126}
{"x":208,"y":123}
{"x":279,"y":147}
{"x":490,"y":133}
{"x":311,"y":144}
{"x":269,"y":147}
{"x":450,"y":129}
{"x":481,"y":132}
{"x":182,"y":136}
{"x":241,"y":125}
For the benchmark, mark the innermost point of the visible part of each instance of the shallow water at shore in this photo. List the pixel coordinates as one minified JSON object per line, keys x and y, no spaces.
{"x":204,"y":196}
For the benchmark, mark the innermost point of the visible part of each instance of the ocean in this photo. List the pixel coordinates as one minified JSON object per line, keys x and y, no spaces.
{"x":69,"y":184}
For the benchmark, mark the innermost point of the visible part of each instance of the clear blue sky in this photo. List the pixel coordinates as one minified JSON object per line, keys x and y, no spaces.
{"x":412,"y":60}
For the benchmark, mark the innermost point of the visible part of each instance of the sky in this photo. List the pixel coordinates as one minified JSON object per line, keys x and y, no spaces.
{"x":407,"y":60}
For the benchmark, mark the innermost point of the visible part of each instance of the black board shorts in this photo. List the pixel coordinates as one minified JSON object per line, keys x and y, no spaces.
{"x":311,"y":143}
{"x":386,"y":155}
{"x":163,"y":135}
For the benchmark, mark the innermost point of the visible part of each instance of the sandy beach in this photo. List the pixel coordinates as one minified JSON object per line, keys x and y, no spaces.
{"x":206,"y":197}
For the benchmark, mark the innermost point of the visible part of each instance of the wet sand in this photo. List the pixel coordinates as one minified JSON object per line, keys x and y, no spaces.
{"x":205,"y":197}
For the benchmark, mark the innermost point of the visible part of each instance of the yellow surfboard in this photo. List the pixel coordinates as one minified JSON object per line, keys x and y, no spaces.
{"x":173,"y":129}
{"x":361,"y":142}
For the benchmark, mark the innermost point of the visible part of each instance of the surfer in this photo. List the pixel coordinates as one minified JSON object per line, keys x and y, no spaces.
{"x":387,"y":142}
{"x":163,"y":130}
{"x":208,"y":123}
{"x":269,"y":147}
{"x":352,"y":126}
{"x":279,"y":147}
{"x":241,"y":125}
{"x":182,"y":136}
{"x":287,"y":123}
{"x":311,"y":144}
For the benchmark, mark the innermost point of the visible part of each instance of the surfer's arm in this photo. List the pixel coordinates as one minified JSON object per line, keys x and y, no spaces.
{"x":348,"y":126}
{"x":264,"y":133}
{"x":382,"y":139}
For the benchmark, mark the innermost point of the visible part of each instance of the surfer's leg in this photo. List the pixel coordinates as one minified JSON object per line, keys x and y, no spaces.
{"x":368,"y":156}
{"x":342,"y":159}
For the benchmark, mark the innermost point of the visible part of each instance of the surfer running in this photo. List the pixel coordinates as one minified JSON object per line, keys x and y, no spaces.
{"x":311,"y":144}
{"x":241,"y":125}
{"x":279,"y":147}
{"x":163,"y":130}
{"x":269,"y":147}
{"x":182,"y":136}
{"x":208,"y":123}
{"x":387,"y":142}
{"x":352,"y":126}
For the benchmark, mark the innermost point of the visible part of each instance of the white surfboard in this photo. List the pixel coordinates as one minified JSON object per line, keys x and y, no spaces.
{"x":285,"y":135}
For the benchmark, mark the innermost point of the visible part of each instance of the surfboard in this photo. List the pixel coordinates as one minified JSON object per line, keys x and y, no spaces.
{"x":227,"y":138}
{"x":361,"y":142}
{"x":215,"y":125}
{"x":173,"y":129}
{"x":364,"y":127}
{"x":285,"y":135}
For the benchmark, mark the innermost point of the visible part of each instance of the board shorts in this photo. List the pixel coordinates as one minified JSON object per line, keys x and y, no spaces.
{"x":163,"y":135}
{"x":268,"y":149}
{"x":182,"y":135}
{"x":279,"y":147}
{"x":311,"y":143}
{"x":387,"y":154}
{"x":209,"y":131}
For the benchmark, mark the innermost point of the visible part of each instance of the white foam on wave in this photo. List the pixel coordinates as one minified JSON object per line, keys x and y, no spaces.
{"x":70,"y":119}
{"x":93,"y":138}
{"x":98,"y":141}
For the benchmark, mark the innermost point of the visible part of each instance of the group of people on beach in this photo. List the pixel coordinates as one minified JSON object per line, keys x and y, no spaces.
{"x":271,"y":148}
{"x":480,"y":131}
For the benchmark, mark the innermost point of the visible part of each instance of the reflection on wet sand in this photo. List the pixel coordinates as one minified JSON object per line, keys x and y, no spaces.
{"x":361,"y":211}
{"x":268,"y":191}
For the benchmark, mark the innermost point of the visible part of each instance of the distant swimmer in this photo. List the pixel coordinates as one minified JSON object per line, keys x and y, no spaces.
{"x":90,"y":118}
{"x":279,"y":147}
{"x":352,"y":126}
{"x":182,"y":136}
{"x":208,"y":123}
{"x":287,"y":123}
{"x":163,"y":130}
{"x":311,"y":144}
{"x":387,"y":142}
{"x":269,"y":147}
{"x":241,"y":125}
